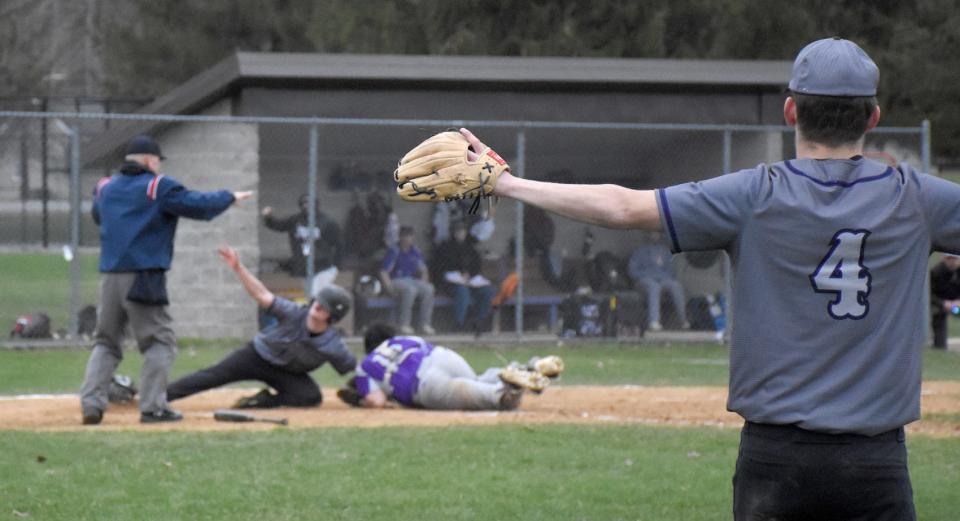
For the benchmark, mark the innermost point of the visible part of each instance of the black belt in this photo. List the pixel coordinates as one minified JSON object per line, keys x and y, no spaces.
{"x":794,"y":433}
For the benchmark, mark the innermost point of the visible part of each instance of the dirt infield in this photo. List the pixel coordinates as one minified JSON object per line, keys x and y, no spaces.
{"x":680,"y":406}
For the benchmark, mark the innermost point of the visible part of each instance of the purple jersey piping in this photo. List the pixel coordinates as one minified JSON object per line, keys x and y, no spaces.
{"x":841,"y":184}
{"x":662,"y":193}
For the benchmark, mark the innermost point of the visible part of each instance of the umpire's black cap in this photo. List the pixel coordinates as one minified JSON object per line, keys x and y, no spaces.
{"x":143,"y":144}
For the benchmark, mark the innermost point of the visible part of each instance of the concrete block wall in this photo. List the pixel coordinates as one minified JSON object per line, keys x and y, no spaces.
{"x":206,"y":299}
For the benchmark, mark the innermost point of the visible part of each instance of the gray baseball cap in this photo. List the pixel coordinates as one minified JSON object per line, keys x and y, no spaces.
{"x":834,"y":67}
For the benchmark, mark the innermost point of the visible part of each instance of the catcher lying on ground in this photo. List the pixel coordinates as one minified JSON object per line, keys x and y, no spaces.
{"x":411,"y":371}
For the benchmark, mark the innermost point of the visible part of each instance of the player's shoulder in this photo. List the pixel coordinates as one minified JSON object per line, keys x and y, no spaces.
{"x":337,"y":339}
{"x":750,"y":174}
{"x":283,"y":305}
{"x":337,"y":335}
{"x":102,"y":184}
{"x":153,"y":185}
{"x":924,"y":181}
{"x":738,"y":179}
{"x":410,"y":342}
{"x":165,"y":183}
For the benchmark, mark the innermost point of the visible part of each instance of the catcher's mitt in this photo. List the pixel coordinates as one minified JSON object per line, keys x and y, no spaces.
{"x":438,"y":170}
{"x":349,"y":394}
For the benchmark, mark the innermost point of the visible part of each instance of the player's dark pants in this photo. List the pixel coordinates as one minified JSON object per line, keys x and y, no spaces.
{"x":939,"y":323}
{"x":786,"y":473}
{"x":293,"y":389}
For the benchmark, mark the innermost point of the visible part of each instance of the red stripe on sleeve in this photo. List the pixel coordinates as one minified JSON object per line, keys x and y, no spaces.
{"x":101,"y":183}
{"x":153,"y":187}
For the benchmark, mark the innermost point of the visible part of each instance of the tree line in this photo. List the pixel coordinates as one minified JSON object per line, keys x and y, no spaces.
{"x":143,"y":49}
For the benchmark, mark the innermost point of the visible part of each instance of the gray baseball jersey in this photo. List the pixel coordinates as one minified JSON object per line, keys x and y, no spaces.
{"x":829,"y":262}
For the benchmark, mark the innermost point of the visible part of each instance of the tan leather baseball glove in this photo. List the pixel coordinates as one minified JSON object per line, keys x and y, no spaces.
{"x":439,"y":170}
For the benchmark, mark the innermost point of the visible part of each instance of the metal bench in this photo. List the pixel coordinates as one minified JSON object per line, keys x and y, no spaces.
{"x":364,"y":305}
{"x":552,"y":302}
{"x":389,"y":304}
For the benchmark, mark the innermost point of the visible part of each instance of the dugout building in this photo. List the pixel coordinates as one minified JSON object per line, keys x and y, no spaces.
{"x":272,"y":159}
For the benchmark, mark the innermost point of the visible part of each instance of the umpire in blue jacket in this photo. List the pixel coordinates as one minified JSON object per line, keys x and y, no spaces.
{"x":137,"y":210}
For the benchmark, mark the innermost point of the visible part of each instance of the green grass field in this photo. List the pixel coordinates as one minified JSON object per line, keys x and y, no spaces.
{"x":549,"y":472}
{"x":553,"y":472}
{"x":61,"y":371}
{"x":31,"y":282}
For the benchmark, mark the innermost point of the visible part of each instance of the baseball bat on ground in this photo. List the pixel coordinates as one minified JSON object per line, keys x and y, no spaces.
{"x":225,"y":415}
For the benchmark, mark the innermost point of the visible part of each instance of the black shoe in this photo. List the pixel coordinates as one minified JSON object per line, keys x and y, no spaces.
{"x":262,"y":400}
{"x":92,"y":417}
{"x":165,"y":415}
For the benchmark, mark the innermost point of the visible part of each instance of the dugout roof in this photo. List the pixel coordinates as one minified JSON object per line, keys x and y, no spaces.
{"x":453,"y":73}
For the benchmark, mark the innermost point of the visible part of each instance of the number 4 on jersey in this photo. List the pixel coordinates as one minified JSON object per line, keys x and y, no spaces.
{"x":842,"y":273}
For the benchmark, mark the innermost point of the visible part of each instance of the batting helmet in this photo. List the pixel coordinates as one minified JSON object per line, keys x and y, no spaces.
{"x":335,"y":300}
{"x":122,"y":389}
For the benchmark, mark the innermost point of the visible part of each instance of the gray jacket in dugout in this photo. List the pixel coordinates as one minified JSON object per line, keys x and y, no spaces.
{"x":829,"y":264}
{"x":288,"y":343}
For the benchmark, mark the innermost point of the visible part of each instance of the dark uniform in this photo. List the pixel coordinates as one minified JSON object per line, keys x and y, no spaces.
{"x":282,"y":356}
{"x":325,"y":237}
{"x":944,"y":285}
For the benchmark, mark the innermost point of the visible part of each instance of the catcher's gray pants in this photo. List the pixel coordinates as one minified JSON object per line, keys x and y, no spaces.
{"x":155,"y":339}
{"x":448,"y":382}
{"x":406,"y":290}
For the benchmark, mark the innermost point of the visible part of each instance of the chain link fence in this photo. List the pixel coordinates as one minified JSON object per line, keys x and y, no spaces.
{"x":325,"y":213}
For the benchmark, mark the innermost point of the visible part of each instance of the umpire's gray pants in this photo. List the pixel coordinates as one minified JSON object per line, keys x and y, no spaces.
{"x":448,"y":382}
{"x":154,"y":336}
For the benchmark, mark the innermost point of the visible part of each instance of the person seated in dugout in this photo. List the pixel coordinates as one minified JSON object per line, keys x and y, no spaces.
{"x":406,"y":278}
{"x":456,"y":269}
{"x":283,"y":354}
{"x":944,"y":297}
{"x":323,"y":239}
{"x":415,"y":373}
{"x":652,"y":272}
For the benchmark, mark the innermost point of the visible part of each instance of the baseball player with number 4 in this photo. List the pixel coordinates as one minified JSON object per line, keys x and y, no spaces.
{"x":829,"y":253}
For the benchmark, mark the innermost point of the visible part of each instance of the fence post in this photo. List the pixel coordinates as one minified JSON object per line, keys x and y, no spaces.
{"x":44,"y":173}
{"x":727,"y":143}
{"x":24,"y":184}
{"x":925,"y":159}
{"x":518,"y":170}
{"x":312,"y":212}
{"x":74,"y":229}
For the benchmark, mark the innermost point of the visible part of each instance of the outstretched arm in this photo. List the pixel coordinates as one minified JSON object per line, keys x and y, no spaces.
{"x":282,"y":224}
{"x":174,"y":198}
{"x":606,"y":205}
{"x":254,"y":287}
